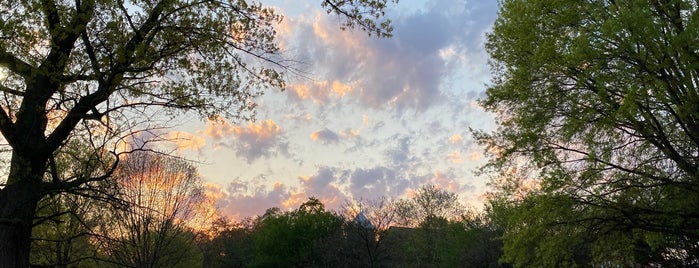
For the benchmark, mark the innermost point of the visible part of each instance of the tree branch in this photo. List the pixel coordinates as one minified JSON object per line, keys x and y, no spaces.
{"x":11,"y":91}
{"x":16,"y":65}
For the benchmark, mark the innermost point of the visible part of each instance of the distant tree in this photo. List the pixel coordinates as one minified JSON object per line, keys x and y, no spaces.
{"x":366,"y":231}
{"x":429,"y":210}
{"x":89,"y":68}
{"x":598,"y":108}
{"x":428,"y":202}
{"x":228,"y":245}
{"x":154,"y":227}
{"x":298,"y":238}
{"x":481,"y":240}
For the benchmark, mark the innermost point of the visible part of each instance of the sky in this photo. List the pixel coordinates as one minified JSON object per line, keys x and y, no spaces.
{"x":370,"y":118}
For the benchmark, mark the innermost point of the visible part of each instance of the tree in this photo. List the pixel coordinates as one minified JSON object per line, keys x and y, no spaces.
{"x":63,"y":230}
{"x":84,"y":68}
{"x":598,"y":107}
{"x":297,"y":238}
{"x":229,"y":244}
{"x":154,"y":227}
{"x":366,"y":230}
{"x":429,"y":210}
{"x":479,"y":241}
{"x":428,"y":202}
{"x":64,"y":223}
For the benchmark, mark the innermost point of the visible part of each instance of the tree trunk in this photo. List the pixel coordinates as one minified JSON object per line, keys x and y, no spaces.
{"x":17,"y":205}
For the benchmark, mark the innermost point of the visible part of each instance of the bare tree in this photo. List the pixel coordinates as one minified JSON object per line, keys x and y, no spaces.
{"x":367,"y":230}
{"x":162,"y":194}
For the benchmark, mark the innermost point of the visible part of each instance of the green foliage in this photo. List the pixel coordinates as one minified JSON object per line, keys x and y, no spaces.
{"x":62,"y":236}
{"x":443,"y":233}
{"x":311,"y":236}
{"x":295,"y":239}
{"x":598,"y":108}
{"x":230,"y":245}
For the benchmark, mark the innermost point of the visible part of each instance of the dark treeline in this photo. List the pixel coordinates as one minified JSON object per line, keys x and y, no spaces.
{"x":429,"y":229}
{"x":312,"y":236}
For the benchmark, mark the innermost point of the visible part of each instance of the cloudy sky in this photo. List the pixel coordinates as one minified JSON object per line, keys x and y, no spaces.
{"x":374,"y":117}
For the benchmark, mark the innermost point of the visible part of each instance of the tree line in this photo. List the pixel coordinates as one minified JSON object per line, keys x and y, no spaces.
{"x":162,"y":222}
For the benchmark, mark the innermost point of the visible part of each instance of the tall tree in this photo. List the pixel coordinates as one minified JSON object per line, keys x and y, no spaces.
{"x":154,"y":225}
{"x":598,"y":111}
{"x":85,"y":67}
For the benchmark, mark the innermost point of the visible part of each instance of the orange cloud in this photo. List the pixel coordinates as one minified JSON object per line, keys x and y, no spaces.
{"x":315,"y":135}
{"x":345,"y":39}
{"x":307,"y":117}
{"x":321,"y":91}
{"x":218,"y":128}
{"x":365,"y":120}
{"x":455,"y":157}
{"x":340,"y":88}
{"x":456,"y":138}
{"x":186,"y":141}
{"x":351,"y":133}
{"x":295,"y":199}
{"x":302,"y":91}
{"x":446,"y":182}
{"x":213,"y":191}
{"x":264,"y":130}
{"x":252,"y":141}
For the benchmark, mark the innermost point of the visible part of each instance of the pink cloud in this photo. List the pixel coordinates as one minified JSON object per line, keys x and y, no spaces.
{"x":244,"y":199}
{"x":323,"y":185}
{"x":252,"y":141}
{"x":218,"y":129}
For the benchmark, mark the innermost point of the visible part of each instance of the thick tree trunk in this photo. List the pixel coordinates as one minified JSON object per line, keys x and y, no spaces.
{"x":18,"y":203}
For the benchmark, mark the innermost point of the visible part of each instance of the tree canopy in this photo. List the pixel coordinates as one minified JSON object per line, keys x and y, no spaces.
{"x":598,"y":112}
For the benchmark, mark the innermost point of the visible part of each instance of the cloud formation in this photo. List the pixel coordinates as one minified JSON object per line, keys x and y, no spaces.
{"x":406,"y":71}
{"x":324,"y":186}
{"x":378,"y":117}
{"x":252,"y":141}
{"x":456,"y":158}
{"x":248,"y":198}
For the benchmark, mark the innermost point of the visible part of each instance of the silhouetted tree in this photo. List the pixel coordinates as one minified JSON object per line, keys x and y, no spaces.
{"x":153,"y":228}
{"x":298,"y":238}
